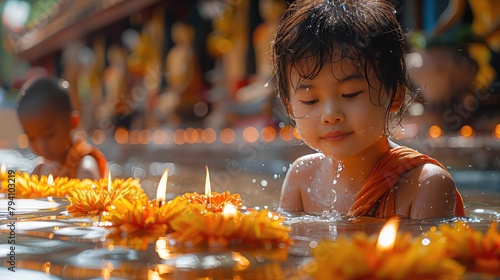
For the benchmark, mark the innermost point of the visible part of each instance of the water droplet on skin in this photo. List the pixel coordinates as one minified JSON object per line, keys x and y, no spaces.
{"x":254,"y":180}
{"x":263,"y":183}
{"x":308,"y":190}
{"x":334,"y":181}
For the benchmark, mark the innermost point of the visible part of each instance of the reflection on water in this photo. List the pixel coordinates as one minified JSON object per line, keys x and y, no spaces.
{"x":51,"y":245}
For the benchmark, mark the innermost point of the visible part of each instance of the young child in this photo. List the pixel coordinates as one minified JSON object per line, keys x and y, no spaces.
{"x":342,"y":78}
{"x":46,"y":115}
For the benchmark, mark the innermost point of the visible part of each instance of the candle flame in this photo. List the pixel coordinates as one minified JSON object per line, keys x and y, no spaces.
{"x":110,"y":182}
{"x":229,"y":211}
{"x":208,"y":187}
{"x":50,"y":180}
{"x":161,"y":192}
{"x":3,"y":168}
{"x":387,"y":236}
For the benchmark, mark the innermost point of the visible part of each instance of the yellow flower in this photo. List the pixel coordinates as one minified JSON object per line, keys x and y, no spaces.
{"x":138,"y":215}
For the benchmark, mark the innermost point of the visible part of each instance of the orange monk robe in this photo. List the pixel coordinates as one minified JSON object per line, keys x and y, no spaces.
{"x":76,"y":153}
{"x":376,"y":197}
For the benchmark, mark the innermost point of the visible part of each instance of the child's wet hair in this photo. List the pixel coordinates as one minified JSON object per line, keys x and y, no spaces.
{"x":365,"y":31}
{"x":44,"y":93}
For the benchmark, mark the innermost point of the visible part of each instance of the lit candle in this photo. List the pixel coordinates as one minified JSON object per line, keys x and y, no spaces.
{"x":208,"y":188}
{"x":387,"y":236}
{"x":110,"y":182}
{"x":161,"y":192}
{"x":50,"y":180}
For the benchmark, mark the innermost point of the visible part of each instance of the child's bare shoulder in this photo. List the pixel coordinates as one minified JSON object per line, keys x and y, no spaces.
{"x":308,"y":165}
{"x":428,"y":173}
{"x":432,"y":192}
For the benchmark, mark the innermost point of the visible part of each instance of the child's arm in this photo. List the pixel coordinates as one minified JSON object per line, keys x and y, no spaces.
{"x":88,"y":168}
{"x":291,"y":200}
{"x":434,"y":194}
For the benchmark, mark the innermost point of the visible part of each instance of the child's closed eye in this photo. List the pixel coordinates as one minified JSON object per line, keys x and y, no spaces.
{"x":309,"y":102}
{"x":352,"y":95}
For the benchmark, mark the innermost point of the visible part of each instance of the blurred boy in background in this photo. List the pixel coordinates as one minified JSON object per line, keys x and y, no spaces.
{"x":48,"y":119}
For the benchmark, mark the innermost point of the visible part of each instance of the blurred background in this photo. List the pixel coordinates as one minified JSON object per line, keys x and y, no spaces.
{"x":188,"y":83}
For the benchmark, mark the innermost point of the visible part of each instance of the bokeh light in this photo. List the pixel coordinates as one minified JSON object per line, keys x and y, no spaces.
{"x":160,"y":137}
{"x":227,"y":136}
{"x":496,"y":131}
{"x":467,"y":131}
{"x":286,"y":133}
{"x":134,"y":137}
{"x":144,"y":136}
{"x":268,"y":134}
{"x":208,"y":135}
{"x":179,"y":136}
{"x":435,"y":131}
{"x":121,"y":135}
{"x":98,"y":137}
{"x":250,"y":134}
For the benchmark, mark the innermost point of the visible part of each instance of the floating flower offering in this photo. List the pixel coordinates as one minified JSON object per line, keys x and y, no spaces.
{"x":127,"y":216}
{"x":386,"y":256}
{"x":470,"y":246}
{"x":92,"y":197}
{"x":34,"y":186}
{"x":138,"y":216}
{"x":198,"y":225}
{"x":213,"y":201}
{"x":214,"y":219}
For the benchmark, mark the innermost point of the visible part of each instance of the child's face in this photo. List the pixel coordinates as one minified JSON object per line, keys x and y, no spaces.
{"x":49,"y":134}
{"x":337,"y":112}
